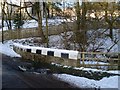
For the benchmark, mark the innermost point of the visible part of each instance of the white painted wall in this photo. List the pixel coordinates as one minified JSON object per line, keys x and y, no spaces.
{"x":57,"y":52}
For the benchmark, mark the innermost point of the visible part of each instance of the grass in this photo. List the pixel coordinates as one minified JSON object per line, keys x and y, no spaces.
{"x":61,"y":69}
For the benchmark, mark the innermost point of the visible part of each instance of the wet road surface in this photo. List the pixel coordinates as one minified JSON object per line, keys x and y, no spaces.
{"x":12,"y":77}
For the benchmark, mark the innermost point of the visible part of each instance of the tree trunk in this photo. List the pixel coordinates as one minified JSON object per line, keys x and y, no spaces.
{"x":52,"y":13}
{"x":40,"y":31}
{"x":39,"y":15}
{"x":48,"y":11}
{"x":83,"y":26}
{"x":2,"y":29}
{"x":46,"y":16}
{"x":2,"y":8}
{"x":111,"y":31}
{"x":77,"y":30}
{"x":119,"y":49}
{"x":19,"y":29}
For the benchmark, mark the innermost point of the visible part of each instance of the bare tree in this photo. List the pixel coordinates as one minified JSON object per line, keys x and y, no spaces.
{"x":110,"y":16}
{"x":8,"y":12}
{"x":38,"y":11}
{"x":46,"y":16}
{"x":2,"y":9}
{"x":80,"y":33}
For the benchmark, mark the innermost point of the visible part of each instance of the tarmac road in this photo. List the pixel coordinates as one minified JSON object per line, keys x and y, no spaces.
{"x":12,"y":77}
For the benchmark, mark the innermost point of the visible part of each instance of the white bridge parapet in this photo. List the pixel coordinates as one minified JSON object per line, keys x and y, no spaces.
{"x":68,"y":54}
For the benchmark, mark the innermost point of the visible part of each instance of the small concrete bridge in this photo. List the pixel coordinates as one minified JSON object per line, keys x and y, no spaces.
{"x":69,"y":57}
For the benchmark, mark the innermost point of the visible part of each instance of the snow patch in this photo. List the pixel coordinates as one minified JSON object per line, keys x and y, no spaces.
{"x":7,"y":49}
{"x":81,"y":82}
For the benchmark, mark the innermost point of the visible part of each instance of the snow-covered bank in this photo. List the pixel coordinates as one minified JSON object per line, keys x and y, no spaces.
{"x":6,"y":49}
{"x":106,"y":82}
{"x":102,"y":44}
{"x":34,"y":24}
{"x":89,"y":69}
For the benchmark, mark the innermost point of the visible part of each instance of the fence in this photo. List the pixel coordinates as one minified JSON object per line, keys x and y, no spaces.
{"x":100,"y":58}
{"x":69,"y":57}
{"x":33,"y":32}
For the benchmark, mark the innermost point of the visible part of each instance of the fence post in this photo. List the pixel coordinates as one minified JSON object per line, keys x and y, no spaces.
{"x":83,"y":57}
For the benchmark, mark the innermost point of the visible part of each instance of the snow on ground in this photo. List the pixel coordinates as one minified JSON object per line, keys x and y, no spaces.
{"x":57,"y":41}
{"x":108,"y":43}
{"x":94,"y":62}
{"x":106,"y":82}
{"x":103,"y":41}
{"x":98,"y":70}
{"x":89,"y":69}
{"x":82,"y":82}
{"x":34,"y":24}
{"x":7,"y":49}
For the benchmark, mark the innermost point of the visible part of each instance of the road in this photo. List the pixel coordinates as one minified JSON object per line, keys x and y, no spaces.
{"x":12,"y":77}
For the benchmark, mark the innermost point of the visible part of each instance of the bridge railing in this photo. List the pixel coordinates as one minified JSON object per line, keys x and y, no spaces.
{"x":99,"y":58}
{"x":70,"y":57}
{"x":104,"y":55}
{"x":34,"y":32}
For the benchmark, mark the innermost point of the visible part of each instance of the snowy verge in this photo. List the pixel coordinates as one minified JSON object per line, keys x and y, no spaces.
{"x":98,"y":70}
{"x":89,"y":69}
{"x":81,"y":82}
{"x":7,"y":49}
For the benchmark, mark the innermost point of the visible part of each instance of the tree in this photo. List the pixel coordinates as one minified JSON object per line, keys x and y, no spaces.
{"x":38,"y":12}
{"x":80,"y":33}
{"x":2,"y":9}
{"x":46,"y":7}
{"x":119,"y":48}
{"x":8,"y":12}
{"x":110,"y":16}
{"x":46,"y":16}
{"x":53,"y":7}
{"x":18,"y":22}
{"x":65,"y":39}
{"x":77,"y":22}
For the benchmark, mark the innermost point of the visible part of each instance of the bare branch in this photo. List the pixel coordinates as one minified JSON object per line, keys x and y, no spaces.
{"x":108,"y":50}
{"x":29,"y":13}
